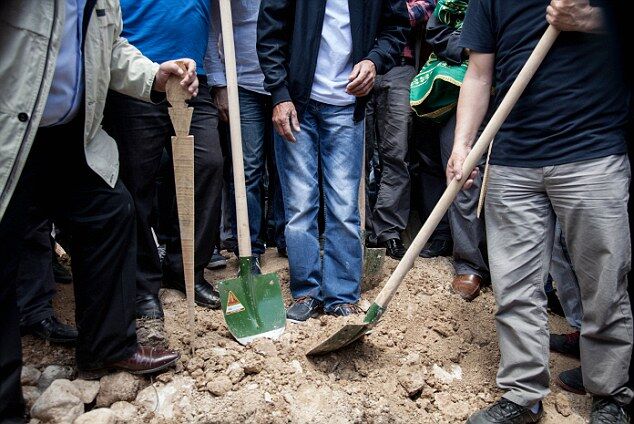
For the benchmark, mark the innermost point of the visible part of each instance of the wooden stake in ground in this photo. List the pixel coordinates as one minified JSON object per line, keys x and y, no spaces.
{"x":183,"y":158}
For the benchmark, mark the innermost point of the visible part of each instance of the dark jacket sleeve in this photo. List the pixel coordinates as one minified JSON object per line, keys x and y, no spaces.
{"x":392,"y":35}
{"x":444,"y":41}
{"x":275,"y":23}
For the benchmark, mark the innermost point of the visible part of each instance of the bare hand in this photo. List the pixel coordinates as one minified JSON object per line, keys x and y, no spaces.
{"x":454,"y":167}
{"x":189,"y":81}
{"x":221,"y":99}
{"x":285,"y":120}
{"x":574,"y":15}
{"x":361,"y":78}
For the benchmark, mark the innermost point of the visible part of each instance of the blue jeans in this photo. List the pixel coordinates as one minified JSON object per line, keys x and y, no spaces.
{"x":255,"y":117}
{"x":331,"y":139}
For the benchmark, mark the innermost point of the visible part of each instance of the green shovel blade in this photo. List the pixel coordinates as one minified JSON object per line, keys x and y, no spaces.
{"x":349,"y":333}
{"x":252,"y":305}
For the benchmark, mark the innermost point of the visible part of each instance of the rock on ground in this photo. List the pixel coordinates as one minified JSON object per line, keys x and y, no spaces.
{"x":31,"y":394}
{"x":97,"y":416}
{"x":168,"y":401}
{"x":54,"y":372}
{"x":30,"y":376}
{"x":59,"y":404}
{"x":88,"y":389}
{"x":125,"y":411}
{"x":119,"y":386}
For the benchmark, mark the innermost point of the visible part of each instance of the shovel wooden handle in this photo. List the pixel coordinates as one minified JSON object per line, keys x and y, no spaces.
{"x":242,"y":216}
{"x":498,"y":118}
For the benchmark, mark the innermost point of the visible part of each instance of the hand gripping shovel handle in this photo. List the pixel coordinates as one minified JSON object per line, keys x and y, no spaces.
{"x":498,"y":118}
{"x":242,"y":217}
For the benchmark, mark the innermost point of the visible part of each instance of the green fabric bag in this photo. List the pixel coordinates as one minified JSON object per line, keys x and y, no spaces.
{"x":434,"y":91}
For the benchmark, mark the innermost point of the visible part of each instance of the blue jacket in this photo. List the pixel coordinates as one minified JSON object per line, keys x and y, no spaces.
{"x":289,"y":33}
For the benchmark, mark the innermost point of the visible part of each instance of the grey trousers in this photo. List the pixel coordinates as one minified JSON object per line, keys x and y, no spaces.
{"x":590,"y":200}
{"x":467,"y":231}
{"x":388,"y":121}
{"x":566,"y":282}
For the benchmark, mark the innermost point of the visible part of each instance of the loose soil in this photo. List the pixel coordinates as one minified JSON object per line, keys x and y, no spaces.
{"x":432,"y":359}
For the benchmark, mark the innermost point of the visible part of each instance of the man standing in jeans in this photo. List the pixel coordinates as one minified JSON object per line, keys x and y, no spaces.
{"x":561,"y":154}
{"x":320,"y":59}
{"x":255,"y":120}
{"x":388,"y":123}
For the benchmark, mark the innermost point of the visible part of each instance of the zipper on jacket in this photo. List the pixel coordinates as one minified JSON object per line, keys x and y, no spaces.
{"x":37,"y":102}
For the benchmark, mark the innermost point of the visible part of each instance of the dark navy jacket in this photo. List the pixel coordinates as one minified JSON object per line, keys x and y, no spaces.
{"x":289,"y":34}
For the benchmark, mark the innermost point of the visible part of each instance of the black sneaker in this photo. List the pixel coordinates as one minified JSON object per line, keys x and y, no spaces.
{"x":52,"y":330}
{"x":571,"y":381}
{"x":303,"y":308}
{"x":437,"y":248}
{"x":566,"y":344}
{"x":217,"y":261}
{"x":281,"y":252}
{"x":255,"y":265}
{"x":344,"y":310}
{"x":608,"y":411}
{"x":506,"y":412}
{"x":394,"y":248}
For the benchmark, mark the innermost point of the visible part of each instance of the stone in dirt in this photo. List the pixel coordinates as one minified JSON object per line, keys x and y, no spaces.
{"x":30,"y":376}
{"x":124,"y":411}
{"x":456,"y":410}
{"x":412,"y":380}
{"x":264,"y":347}
{"x":119,"y":386}
{"x":60,"y":403}
{"x":253,"y":363}
{"x":97,"y":416}
{"x":562,"y":404}
{"x":88,"y":389}
{"x":54,"y":372}
{"x":169,"y":296}
{"x":151,"y":332}
{"x":169,"y":401}
{"x":220,"y":385}
{"x":235,"y":372}
{"x":446,"y":376}
{"x":31,"y":394}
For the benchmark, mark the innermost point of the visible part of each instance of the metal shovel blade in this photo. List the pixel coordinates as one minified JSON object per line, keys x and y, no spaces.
{"x":373,"y":267}
{"x":252,"y":305}
{"x":349,"y":333}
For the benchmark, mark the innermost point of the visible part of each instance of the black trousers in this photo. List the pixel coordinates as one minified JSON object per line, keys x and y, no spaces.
{"x":35,"y":281}
{"x":142,"y":131}
{"x":428,"y":175}
{"x":99,"y":221}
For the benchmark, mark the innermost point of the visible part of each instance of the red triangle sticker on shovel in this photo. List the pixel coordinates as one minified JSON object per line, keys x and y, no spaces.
{"x":233,"y":304}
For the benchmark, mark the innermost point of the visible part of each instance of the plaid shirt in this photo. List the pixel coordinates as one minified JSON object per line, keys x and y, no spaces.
{"x":419,"y":13}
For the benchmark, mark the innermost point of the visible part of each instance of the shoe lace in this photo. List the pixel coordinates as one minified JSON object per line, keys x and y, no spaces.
{"x":607,"y":411}
{"x":504,"y":410}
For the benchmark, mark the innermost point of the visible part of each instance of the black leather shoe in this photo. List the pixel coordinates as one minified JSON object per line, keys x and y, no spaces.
{"x":281,"y":251}
{"x":505,"y":412}
{"x":61,"y":274}
{"x":344,"y":310}
{"x":217,"y":261}
{"x":149,"y":306}
{"x":437,"y":248}
{"x":394,"y":248}
{"x":566,"y":344}
{"x":606,"y":410}
{"x":571,"y":381}
{"x":303,"y":308}
{"x":50,"y":329}
{"x":204,"y":293}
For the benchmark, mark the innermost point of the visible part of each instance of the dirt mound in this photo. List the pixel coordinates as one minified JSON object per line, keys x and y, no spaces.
{"x":433,"y":358}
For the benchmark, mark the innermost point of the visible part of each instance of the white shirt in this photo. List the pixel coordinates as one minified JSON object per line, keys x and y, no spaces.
{"x":334,"y":61}
{"x":65,"y":95}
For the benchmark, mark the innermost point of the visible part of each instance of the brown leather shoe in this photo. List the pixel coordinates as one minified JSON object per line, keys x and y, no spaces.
{"x":467,"y":286}
{"x":147,"y":360}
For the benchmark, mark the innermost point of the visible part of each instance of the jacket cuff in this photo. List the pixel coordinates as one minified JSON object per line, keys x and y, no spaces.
{"x":280,"y":94}
{"x":375,"y":57}
{"x":148,"y":89}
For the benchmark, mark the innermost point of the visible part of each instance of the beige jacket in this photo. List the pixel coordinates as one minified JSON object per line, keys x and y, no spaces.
{"x":30,"y":33}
